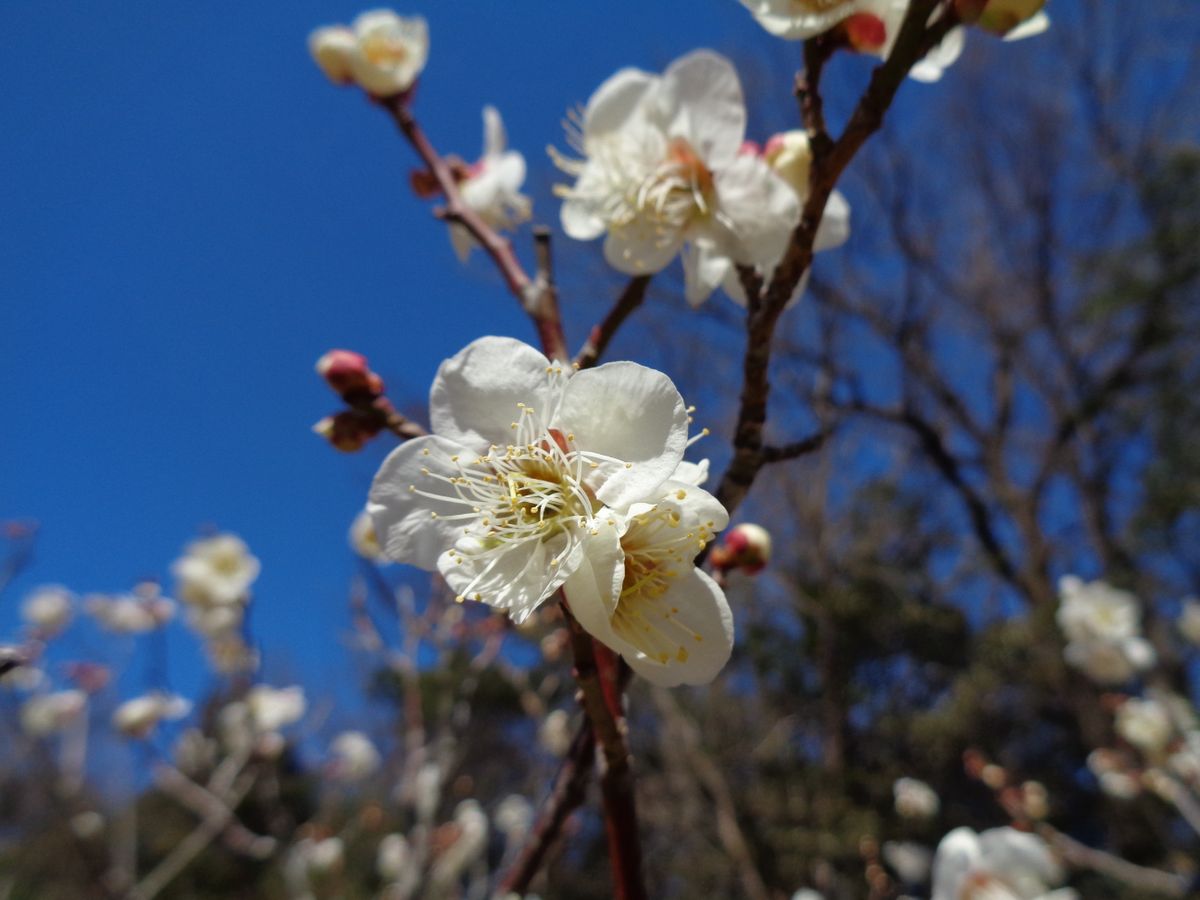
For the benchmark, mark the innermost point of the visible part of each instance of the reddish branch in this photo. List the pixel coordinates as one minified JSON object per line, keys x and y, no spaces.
{"x":600,"y":684}
{"x":830,"y":159}
{"x":631,"y":298}
{"x":536,"y":296}
{"x":570,"y":789}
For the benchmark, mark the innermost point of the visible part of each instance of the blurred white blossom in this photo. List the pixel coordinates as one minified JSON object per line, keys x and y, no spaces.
{"x":1188,"y":622}
{"x":48,"y":609}
{"x":915,"y":799}
{"x":554,"y":733}
{"x":48,"y":714}
{"x":381,"y":52}
{"x":1146,"y":724}
{"x":139,"y":716}
{"x":216,"y":570}
{"x":1103,"y":629}
{"x":354,"y":757}
{"x":997,"y":864}
{"x":137,"y":613}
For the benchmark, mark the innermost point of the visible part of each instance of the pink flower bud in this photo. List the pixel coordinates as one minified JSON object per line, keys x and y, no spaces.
{"x":750,"y":148}
{"x":347,"y":372}
{"x":865,"y":32}
{"x":746,"y":546}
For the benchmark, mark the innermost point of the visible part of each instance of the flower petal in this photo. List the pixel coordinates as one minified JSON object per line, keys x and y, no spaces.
{"x":834,"y":229}
{"x":593,"y":588}
{"x":761,"y":210}
{"x":702,"y":625}
{"x":704,"y":268}
{"x":701,"y":100}
{"x":616,"y":101}
{"x":641,"y":247}
{"x":494,"y":138}
{"x":1034,"y":25}
{"x":516,"y":578}
{"x":632,"y":421}
{"x":404,"y":521}
{"x":475,"y":394}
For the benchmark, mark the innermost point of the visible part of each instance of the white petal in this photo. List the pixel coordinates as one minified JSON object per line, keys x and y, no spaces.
{"x":475,"y":394}
{"x":700,"y":99}
{"x":957,"y":856}
{"x":494,"y":139}
{"x":333,"y":49}
{"x":639,"y":248}
{"x":704,"y":268}
{"x":761,"y":209}
{"x":516,"y":578}
{"x":407,"y":530}
{"x":694,"y":474}
{"x":593,"y":588}
{"x":1034,"y":25}
{"x":704,"y":612}
{"x":616,"y":101}
{"x":579,"y":217}
{"x":635,"y":416}
{"x":834,"y":229}
{"x":936,"y":61}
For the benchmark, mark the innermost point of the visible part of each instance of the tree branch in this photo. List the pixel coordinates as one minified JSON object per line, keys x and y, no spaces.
{"x":631,"y":298}
{"x":537,"y":297}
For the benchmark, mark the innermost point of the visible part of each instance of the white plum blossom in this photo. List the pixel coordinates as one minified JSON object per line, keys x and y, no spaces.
{"x":911,"y":862}
{"x":48,"y":714}
{"x":138,"y":717}
{"x":662,"y":174}
{"x":216,"y":570}
{"x":1103,"y":629}
{"x":535,"y":480}
{"x":354,"y":757}
{"x":491,"y":186}
{"x":48,"y":609}
{"x":554,"y":733}
{"x":1188,"y":622}
{"x":914,"y":799}
{"x":1145,"y":723}
{"x":381,"y":52}
{"x":997,"y":864}
{"x":472,"y":827}
{"x":393,"y":857}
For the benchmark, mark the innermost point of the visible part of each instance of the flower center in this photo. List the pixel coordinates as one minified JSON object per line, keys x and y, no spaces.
{"x":657,"y":549}
{"x":679,"y":190}
{"x":530,"y":490}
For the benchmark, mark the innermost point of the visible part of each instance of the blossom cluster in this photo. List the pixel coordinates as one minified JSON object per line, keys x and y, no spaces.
{"x":538,"y":479}
{"x":1102,"y":625}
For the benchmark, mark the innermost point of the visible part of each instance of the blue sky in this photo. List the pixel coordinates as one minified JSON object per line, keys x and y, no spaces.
{"x":191,"y":214}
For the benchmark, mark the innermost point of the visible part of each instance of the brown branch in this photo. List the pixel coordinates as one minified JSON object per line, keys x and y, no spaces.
{"x":570,"y":789}
{"x":631,"y":298}
{"x":537,"y":297}
{"x":771,"y":453}
{"x":599,"y":690}
{"x":829,"y":162}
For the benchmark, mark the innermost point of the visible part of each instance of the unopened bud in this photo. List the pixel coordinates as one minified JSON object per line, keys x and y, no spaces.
{"x":750,"y":148}
{"x":866,"y":32}
{"x":746,"y":546}
{"x":346,"y":431}
{"x":347,"y":373}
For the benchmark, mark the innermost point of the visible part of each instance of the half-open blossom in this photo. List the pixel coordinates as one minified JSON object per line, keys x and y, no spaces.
{"x":381,"y":52}
{"x":491,"y":186}
{"x":997,"y":864}
{"x":138,"y":717}
{"x":523,"y":465}
{"x":662,"y":174}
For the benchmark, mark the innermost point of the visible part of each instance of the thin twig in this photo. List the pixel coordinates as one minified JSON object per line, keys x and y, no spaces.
{"x":631,"y":298}
{"x":537,"y":299}
{"x":914,"y":40}
{"x":1139,"y":877}
{"x":570,"y":790}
